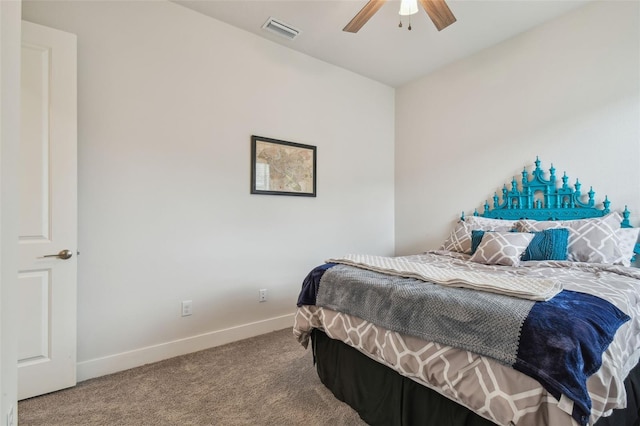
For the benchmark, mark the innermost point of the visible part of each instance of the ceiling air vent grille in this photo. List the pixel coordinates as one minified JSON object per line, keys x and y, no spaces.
{"x":280,"y":28}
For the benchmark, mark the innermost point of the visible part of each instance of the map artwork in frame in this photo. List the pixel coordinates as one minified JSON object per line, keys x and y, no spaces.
{"x":282,"y":168}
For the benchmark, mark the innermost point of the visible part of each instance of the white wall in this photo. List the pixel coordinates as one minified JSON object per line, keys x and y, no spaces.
{"x":168,"y":100}
{"x":567,"y":91}
{"x":9,"y":151}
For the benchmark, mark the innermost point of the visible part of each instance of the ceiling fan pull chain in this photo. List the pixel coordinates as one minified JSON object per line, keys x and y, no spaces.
{"x":400,"y":24}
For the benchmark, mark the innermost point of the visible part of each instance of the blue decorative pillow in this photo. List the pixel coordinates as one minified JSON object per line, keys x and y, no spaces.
{"x":550,"y":244}
{"x":476,"y":237}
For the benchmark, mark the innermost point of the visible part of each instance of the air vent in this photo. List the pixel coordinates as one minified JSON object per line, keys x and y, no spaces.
{"x":280,"y":28}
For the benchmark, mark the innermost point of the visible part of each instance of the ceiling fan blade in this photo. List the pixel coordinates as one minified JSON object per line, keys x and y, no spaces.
{"x":439,"y":13}
{"x":363,"y":16}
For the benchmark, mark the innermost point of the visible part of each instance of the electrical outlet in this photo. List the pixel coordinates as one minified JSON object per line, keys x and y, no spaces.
{"x":263,"y":295}
{"x":187,"y":308}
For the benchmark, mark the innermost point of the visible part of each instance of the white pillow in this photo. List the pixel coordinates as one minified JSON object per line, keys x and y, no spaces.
{"x":489,"y":224}
{"x":628,"y":239}
{"x":502,"y":248}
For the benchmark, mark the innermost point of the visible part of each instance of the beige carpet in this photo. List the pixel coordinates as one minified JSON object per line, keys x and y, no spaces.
{"x":266,"y":380}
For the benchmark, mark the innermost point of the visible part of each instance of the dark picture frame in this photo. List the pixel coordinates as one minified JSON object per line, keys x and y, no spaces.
{"x":282,"y":168}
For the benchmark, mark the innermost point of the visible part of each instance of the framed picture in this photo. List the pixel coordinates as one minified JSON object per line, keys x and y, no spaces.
{"x":282,"y":168}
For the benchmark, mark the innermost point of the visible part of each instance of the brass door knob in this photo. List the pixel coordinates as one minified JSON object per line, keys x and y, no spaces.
{"x":64,"y":254}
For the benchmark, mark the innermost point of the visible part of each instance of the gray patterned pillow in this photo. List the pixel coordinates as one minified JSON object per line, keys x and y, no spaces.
{"x":460,"y":238}
{"x":590,"y":240}
{"x":528,"y":225}
{"x":502,"y":248}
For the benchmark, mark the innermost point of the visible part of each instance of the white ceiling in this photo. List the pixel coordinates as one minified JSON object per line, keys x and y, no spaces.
{"x":381,"y":50}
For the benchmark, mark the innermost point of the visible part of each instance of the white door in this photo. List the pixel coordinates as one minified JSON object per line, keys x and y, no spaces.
{"x":48,"y":212}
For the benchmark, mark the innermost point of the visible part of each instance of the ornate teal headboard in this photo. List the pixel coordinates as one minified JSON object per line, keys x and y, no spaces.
{"x":541,"y":199}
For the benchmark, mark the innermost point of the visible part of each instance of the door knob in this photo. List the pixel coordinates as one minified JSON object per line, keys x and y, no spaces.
{"x":64,"y":254}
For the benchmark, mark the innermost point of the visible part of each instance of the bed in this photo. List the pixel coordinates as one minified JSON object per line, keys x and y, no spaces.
{"x":528,"y":314}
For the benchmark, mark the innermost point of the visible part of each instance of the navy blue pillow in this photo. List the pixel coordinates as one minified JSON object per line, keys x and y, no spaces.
{"x":550,"y":244}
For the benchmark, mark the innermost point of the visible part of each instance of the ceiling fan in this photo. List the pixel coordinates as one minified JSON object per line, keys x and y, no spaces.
{"x":437,"y":10}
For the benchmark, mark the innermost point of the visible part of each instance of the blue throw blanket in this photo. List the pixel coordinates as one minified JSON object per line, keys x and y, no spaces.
{"x":558,"y":342}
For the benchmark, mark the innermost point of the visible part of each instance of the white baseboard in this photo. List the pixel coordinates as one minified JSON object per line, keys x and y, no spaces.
{"x":123,"y":361}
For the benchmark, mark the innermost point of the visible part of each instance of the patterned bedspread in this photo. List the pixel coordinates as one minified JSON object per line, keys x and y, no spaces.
{"x":488,"y":387}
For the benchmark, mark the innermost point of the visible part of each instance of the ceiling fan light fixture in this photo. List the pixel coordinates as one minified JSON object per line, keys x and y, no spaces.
{"x":437,"y":10}
{"x":408,"y":7}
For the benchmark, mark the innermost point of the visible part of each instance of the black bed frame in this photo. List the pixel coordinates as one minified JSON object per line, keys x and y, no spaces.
{"x":381,"y":396}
